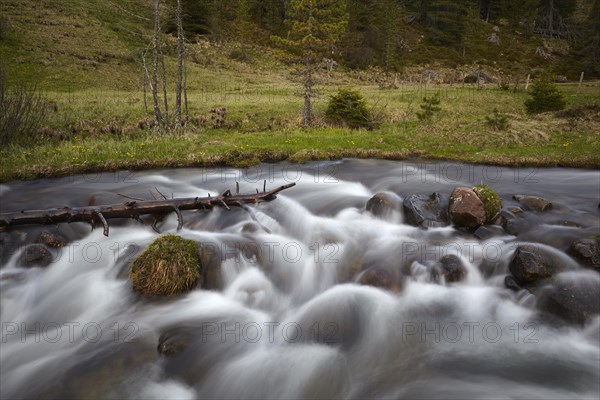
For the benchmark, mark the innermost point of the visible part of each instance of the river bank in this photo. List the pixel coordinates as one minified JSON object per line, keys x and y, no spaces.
{"x":106,"y":131}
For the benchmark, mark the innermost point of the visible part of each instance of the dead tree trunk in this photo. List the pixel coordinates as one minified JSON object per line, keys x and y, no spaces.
{"x":164,"y":83}
{"x":180,"y":53}
{"x":185,"y":96}
{"x":145,"y":82}
{"x":154,"y":81}
{"x":134,"y":209}
{"x":307,"y":113}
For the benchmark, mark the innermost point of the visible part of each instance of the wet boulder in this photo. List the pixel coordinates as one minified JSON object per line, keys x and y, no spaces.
{"x":253,"y":227}
{"x":341,"y":316}
{"x":9,"y":244}
{"x":511,"y":223}
{"x":379,"y":278}
{"x":450,"y":268}
{"x":533,"y":203}
{"x":382,"y":204}
{"x":530,"y":265}
{"x":511,"y":283}
{"x":488,"y":232}
{"x":425,"y":210}
{"x":572,"y":297}
{"x":174,"y":341}
{"x":35,"y":255}
{"x":587,"y":252}
{"x":51,"y":239}
{"x":12,"y":277}
{"x":466,"y":209}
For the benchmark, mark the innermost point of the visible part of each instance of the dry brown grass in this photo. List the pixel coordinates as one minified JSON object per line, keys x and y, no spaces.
{"x":169,"y":266}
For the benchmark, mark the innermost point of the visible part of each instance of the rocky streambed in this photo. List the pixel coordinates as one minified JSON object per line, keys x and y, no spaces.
{"x":367,"y":279}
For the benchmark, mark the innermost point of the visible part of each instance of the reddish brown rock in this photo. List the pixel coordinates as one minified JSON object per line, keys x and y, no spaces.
{"x":465,"y":208}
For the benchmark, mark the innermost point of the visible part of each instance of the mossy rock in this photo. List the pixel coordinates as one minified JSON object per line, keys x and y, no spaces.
{"x":492,"y":203}
{"x":169,"y":266}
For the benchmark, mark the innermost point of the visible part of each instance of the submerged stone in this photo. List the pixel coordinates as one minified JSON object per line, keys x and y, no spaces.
{"x":51,"y":239}
{"x":571,"y":297}
{"x":533,"y":203}
{"x":382,"y":204}
{"x":450,"y":268}
{"x":425,"y":210}
{"x":380,"y":278}
{"x":587,"y":252}
{"x":35,"y":255}
{"x":530,"y":265}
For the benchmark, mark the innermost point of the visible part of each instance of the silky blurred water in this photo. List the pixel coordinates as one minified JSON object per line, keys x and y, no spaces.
{"x":289,"y":319}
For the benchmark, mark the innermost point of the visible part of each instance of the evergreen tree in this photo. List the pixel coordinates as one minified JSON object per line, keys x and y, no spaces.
{"x":545,"y":96}
{"x":197,"y":17}
{"x":552,"y":17}
{"x":444,"y":19}
{"x":389,"y":17}
{"x":242,"y":25}
{"x":268,"y":14}
{"x":586,"y":51}
{"x":314,"y":26}
{"x":358,"y":46}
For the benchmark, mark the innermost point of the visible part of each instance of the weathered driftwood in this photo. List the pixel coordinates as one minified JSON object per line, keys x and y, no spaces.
{"x":135,"y":208}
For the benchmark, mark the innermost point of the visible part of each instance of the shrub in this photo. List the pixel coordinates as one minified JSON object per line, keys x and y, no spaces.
{"x":3,"y":26}
{"x":545,"y":96}
{"x":22,"y":111}
{"x":498,"y":121}
{"x":170,"y":265}
{"x":429,"y":106}
{"x":349,"y":108}
{"x":585,"y":111}
{"x":492,"y":203}
{"x":239,"y":55}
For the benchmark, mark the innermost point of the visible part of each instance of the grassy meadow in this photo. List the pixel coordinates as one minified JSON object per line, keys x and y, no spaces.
{"x":96,"y":119}
{"x":92,"y":130}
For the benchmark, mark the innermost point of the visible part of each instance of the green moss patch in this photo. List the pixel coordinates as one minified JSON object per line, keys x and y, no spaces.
{"x":170,"y":265}
{"x":492,"y":203}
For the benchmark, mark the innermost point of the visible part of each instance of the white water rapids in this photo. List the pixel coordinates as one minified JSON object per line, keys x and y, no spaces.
{"x":290,"y":319}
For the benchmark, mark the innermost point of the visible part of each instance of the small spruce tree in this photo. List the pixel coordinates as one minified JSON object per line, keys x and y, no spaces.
{"x":498,"y":121}
{"x":348,"y":107}
{"x":429,"y":106}
{"x":314,"y":28}
{"x":545,"y":96}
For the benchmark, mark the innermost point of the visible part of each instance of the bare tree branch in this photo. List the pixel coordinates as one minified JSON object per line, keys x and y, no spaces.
{"x":133,"y":209}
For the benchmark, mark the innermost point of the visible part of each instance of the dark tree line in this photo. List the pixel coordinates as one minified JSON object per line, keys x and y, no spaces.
{"x":375,"y":33}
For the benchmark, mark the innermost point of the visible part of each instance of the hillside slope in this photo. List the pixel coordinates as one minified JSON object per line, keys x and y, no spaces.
{"x":70,"y":44}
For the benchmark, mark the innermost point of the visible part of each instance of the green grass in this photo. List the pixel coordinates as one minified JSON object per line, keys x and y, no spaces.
{"x":263,"y":126}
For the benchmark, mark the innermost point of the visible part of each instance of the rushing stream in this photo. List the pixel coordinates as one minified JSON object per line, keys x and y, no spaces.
{"x":285,"y":315}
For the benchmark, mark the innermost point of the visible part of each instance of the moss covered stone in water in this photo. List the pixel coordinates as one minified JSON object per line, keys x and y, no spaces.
{"x":170,"y":265}
{"x":492,"y":203}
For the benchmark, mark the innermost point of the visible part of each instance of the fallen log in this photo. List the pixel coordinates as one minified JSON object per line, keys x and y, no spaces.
{"x":135,"y":208}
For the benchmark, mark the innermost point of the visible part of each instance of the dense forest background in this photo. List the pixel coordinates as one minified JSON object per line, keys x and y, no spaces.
{"x":87,"y":43}
{"x":396,"y":33}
